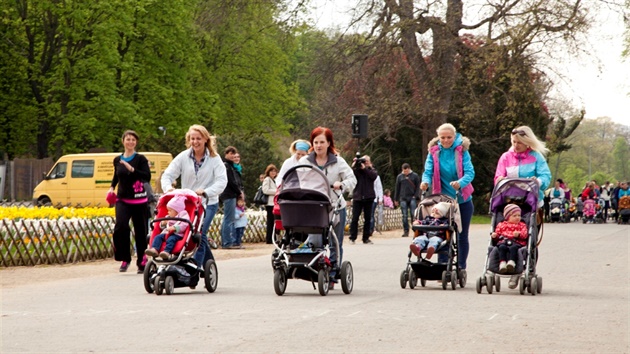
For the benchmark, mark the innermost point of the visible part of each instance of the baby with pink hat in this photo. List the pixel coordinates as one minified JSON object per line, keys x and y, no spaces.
{"x":173,"y":230}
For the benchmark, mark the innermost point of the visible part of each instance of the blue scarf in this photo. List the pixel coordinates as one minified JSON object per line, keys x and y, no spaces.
{"x":238,"y":168}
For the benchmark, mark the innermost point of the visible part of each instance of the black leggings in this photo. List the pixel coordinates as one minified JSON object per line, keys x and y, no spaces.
{"x":270,"y":221}
{"x":139,"y":214}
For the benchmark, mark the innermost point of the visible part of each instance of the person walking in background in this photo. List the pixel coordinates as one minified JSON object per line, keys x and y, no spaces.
{"x":131,"y":171}
{"x":449,"y":170}
{"x":269,"y":188}
{"x":340,"y":178}
{"x":202,"y":171}
{"x":606,"y":194}
{"x":233,"y":190}
{"x":406,"y":195}
{"x":240,"y":222}
{"x":298,"y":149}
{"x":362,"y":198}
{"x":377,"y":206}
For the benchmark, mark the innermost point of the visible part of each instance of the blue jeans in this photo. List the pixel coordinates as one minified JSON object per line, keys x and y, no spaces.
{"x":228,"y":231}
{"x":406,"y":212}
{"x":239,"y":231}
{"x":204,"y":252}
{"x":425,"y":242}
{"x":333,"y":251}
{"x":170,"y":242}
{"x":372,"y":219}
{"x":466,"y":212}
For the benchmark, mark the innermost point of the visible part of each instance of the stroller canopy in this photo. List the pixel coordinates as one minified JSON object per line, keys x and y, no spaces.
{"x":305,"y":182}
{"x":521,"y":191}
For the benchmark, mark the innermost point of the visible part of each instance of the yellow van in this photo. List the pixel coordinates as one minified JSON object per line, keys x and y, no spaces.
{"x":89,"y":178}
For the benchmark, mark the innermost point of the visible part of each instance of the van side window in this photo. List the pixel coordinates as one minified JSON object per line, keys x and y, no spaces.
{"x":59,"y":171}
{"x":82,"y":168}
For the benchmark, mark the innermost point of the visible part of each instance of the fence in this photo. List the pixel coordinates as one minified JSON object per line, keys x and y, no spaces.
{"x":22,"y":176}
{"x":37,"y":242}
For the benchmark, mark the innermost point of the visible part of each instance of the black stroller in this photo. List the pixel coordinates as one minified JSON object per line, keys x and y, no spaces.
{"x":524,"y":193}
{"x":449,"y":272}
{"x":308,"y":218}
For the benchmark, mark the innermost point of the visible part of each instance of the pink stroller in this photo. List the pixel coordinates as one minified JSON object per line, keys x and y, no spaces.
{"x":589,"y":211}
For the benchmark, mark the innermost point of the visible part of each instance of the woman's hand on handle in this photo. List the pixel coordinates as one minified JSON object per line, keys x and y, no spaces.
{"x":455,"y":185}
{"x":337,"y":185}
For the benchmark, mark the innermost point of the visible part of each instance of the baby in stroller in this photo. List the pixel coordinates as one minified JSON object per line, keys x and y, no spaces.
{"x":510,"y":235}
{"x":172,"y":230}
{"x":431,"y":240}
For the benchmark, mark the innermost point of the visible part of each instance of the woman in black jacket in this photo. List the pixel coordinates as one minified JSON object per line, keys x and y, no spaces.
{"x":131,"y":170}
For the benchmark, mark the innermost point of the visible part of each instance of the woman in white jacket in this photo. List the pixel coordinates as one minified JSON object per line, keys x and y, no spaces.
{"x":201,"y":170}
{"x":340,"y":177}
{"x":298,"y":149}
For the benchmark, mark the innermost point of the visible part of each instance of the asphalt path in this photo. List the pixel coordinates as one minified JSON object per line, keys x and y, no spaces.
{"x":583,"y":306}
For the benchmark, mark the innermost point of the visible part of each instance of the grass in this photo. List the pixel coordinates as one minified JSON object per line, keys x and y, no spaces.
{"x":481,"y":219}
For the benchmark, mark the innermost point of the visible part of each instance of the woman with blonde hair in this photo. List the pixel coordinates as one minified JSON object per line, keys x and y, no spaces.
{"x":449,"y":170}
{"x":298,"y":149}
{"x":201,"y":170}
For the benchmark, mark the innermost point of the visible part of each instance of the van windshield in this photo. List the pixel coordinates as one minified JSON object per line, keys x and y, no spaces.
{"x":59,"y":171}
{"x":83,"y":169}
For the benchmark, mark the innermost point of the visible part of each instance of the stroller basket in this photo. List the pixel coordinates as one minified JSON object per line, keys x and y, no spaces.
{"x":304,"y":215}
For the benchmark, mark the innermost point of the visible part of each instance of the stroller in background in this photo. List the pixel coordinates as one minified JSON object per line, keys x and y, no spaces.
{"x":623,"y":210}
{"x":181,"y":271}
{"x":589,"y":212}
{"x":308,"y":218}
{"x":524,"y":193}
{"x":557,"y":210}
{"x":424,"y":270}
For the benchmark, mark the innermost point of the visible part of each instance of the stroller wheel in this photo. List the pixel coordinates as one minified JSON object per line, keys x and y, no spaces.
{"x":280,"y":281}
{"x":413,"y":279}
{"x":539,"y":287}
{"x":533,"y":286}
{"x":211,"y":275}
{"x":423,"y":282}
{"x":479,"y":284}
{"x":521,"y":285}
{"x":322,"y":282}
{"x":403,"y":279}
{"x":444,"y":280}
{"x":489,"y":283}
{"x":157,"y":286}
{"x":497,"y":283}
{"x":347,"y":277}
{"x":150,"y":270}
{"x":453,"y":280}
{"x":169,"y":285}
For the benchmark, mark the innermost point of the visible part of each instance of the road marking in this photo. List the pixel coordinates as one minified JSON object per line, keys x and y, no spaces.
{"x":323,"y":313}
{"x":352,"y":314}
{"x":493,"y":316}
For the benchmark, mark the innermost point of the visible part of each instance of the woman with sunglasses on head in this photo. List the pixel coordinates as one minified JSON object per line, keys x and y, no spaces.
{"x":449,"y":170}
{"x":525,"y":159}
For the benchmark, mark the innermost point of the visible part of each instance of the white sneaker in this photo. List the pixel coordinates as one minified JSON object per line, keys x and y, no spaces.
{"x":510,"y":266}
{"x":502,"y":267}
{"x":513,"y":281}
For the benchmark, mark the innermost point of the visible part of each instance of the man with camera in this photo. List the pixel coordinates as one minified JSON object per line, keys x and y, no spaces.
{"x":362,"y":197}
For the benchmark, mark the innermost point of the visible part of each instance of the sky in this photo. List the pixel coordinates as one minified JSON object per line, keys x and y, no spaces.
{"x":598,"y":82}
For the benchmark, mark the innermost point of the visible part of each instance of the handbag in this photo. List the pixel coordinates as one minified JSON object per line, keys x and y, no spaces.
{"x":260,"y":198}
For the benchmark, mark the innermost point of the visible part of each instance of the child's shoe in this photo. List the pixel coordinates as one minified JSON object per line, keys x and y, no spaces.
{"x":415,"y":249}
{"x":510,"y":266}
{"x":165,"y":255}
{"x":502,"y":267}
{"x":513,"y":281}
{"x":151,"y":252}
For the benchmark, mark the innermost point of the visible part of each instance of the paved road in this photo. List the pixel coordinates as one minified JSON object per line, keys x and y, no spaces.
{"x":583,"y":307}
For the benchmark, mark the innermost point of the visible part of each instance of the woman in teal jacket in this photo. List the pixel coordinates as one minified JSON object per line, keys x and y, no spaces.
{"x":448,"y":169}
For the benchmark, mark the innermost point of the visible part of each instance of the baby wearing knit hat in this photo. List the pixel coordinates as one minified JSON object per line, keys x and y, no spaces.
{"x":173,"y":229}
{"x":510,"y":235}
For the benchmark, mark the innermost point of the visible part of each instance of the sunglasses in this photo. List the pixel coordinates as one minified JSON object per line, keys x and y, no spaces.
{"x":519,"y":132}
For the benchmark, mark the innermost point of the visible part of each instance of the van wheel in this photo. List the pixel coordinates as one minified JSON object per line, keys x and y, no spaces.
{"x":45,"y":201}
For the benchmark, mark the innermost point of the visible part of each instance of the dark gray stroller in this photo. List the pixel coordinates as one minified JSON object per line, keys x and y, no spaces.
{"x":422,"y":269}
{"x":308,"y":218}
{"x":524,"y":193}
